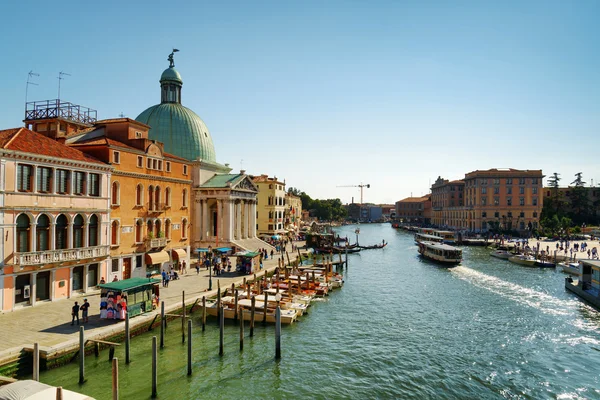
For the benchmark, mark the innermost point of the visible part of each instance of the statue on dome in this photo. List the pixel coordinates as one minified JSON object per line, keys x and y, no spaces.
{"x":170,"y":58}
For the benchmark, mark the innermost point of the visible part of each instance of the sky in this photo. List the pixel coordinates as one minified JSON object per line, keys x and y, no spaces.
{"x":324,"y":94}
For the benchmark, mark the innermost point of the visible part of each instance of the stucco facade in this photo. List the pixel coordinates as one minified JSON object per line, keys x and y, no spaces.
{"x":270,"y":207}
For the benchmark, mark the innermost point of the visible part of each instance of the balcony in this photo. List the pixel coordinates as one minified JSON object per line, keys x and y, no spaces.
{"x":156,"y":208}
{"x":156,"y":243}
{"x":62,"y":255}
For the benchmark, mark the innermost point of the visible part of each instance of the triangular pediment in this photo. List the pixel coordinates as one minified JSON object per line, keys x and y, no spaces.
{"x":245,"y":184}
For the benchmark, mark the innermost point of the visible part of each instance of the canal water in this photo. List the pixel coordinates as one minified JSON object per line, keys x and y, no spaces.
{"x":401,"y":327}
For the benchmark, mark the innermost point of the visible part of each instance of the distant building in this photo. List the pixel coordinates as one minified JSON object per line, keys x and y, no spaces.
{"x":414,"y":210}
{"x":293,"y":212}
{"x":447,"y":204}
{"x":270,"y":207}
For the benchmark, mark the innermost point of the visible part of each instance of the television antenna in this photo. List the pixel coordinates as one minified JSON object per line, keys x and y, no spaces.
{"x":60,"y":78}
{"x":29,"y":82}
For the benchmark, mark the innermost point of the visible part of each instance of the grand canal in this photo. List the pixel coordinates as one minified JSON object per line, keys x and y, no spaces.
{"x":400,"y":328}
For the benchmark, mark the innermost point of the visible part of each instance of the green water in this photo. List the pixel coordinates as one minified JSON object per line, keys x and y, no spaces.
{"x":400,"y":328}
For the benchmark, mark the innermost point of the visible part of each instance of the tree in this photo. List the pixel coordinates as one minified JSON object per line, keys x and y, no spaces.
{"x":294,"y":191}
{"x":580,"y":204}
{"x":553,"y":183}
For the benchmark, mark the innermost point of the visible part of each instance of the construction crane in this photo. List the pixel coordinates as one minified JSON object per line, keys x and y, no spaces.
{"x":361,"y":186}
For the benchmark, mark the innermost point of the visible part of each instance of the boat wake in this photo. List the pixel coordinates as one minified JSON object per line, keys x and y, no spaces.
{"x":530,"y":297}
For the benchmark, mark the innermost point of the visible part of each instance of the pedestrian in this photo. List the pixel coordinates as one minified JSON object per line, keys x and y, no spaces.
{"x":75,"y":314}
{"x":167,"y":278}
{"x":198,"y":268}
{"x":84,"y":310}
{"x":102,"y":281}
{"x":272,"y":253}
{"x":164,"y":277}
{"x":183,"y":267}
{"x":115,"y":279}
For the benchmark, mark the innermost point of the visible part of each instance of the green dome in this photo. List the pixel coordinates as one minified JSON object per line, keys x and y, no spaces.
{"x":181,"y":130}
{"x":171,"y":74}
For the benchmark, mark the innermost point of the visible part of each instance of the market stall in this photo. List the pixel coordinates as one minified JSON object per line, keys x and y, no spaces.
{"x":247,"y":262}
{"x":134,"y":296}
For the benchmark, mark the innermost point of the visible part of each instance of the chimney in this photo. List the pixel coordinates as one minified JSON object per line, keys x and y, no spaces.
{"x":352,"y":199}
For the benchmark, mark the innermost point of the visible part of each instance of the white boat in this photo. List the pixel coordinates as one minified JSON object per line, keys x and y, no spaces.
{"x":571,"y":268}
{"x":522,"y":259}
{"x":424,"y":237}
{"x":503,"y":254}
{"x":440,"y":252}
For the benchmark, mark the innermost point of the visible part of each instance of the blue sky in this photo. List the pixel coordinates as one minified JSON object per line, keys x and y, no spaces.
{"x":332,"y":93}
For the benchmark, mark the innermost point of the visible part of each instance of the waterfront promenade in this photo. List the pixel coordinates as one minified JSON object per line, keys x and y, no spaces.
{"x":49,"y":323}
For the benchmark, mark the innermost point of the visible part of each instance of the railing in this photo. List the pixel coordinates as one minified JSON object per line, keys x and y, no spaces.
{"x":153,"y":207}
{"x":54,"y":256}
{"x":59,"y":109}
{"x":155,"y":243}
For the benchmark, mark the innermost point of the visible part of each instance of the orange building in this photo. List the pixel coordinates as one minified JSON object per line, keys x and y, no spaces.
{"x":54,"y":219}
{"x":414,"y":209}
{"x":150,"y":197}
{"x":447,"y":204}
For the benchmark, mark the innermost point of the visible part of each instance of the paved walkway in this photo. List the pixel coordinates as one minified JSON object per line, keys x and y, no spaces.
{"x":49,"y":323}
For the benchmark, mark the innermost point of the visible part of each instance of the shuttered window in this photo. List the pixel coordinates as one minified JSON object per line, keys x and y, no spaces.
{"x":94,"y":185}
{"x":24,"y":177}
{"x":79,"y":183}
{"x":44,"y":179}
{"x":62,"y":181}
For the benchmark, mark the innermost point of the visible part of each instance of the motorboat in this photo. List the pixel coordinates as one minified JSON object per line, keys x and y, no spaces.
{"x":503,"y":254}
{"x":571,"y":268}
{"x":440,"y":252}
{"x":522,"y":259}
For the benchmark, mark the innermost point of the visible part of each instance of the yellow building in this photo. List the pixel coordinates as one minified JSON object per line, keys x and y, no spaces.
{"x":150,"y":197}
{"x":293,"y":212}
{"x":270,"y":207}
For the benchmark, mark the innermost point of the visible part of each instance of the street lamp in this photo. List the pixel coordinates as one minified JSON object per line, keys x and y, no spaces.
{"x":210,"y":268}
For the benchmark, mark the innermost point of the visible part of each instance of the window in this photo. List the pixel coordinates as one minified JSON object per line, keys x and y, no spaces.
{"x":151,"y":198}
{"x":93,"y":231}
{"x":24,"y":177}
{"x":185,"y":170}
{"x":534,"y":201}
{"x":159,"y":165}
{"x":184,"y":228}
{"x":496,"y":190}
{"x":23,"y":224}
{"x":497,"y":214}
{"x":139,"y":195}
{"x":78,"y":231}
{"x":114,"y":233}
{"x":116,"y":157}
{"x":114,"y":195}
{"x":521,"y":201}
{"x":44,"y":179}
{"x":157,"y":198}
{"x":140,"y":161}
{"x":138,"y":134}
{"x":168,"y":166}
{"x":509,"y":214}
{"x":484,"y":181}
{"x":496,"y":201}
{"x":535,"y":214}
{"x":483,"y":190}
{"x":115,"y":265}
{"x":521,"y":181}
{"x":534,"y":190}
{"x":78,"y":183}
{"x":60,"y":232}
{"x":483,"y":214}
{"x":139,"y":228}
{"x":168,"y":229}
{"x":62,"y":181}
{"x":521,"y":190}
{"x":154,"y":164}
{"x":496,"y":181}
{"x":184,"y":198}
{"x":509,"y":181}
{"x":168,"y":197}
{"x":484,"y":201}
{"x":509,"y":190}
{"x":148,"y":163}
{"x":94,"y":185}
{"x":42,"y":232}
{"x":534,"y":181}
{"x":509,"y":201}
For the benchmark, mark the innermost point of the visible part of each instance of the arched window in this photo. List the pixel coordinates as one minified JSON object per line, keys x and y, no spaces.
{"x":139,"y":195}
{"x":93,"y":231}
{"x":115,"y":193}
{"x":184,"y":226}
{"x":139,"y":229}
{"x":114,"y":233}
{"x":151,"y":198}
{"x":168,"y":197}
{"x":78,"y":231}
{"x":157,"y":230}
{"x":184,"y":199}
{"x":150,"y":229}
{"x":42,"y":232}
{"x":157,"y":198}
{"x":23,"y":224}
{"x":168,"y":229}
{"x":60,"y":232}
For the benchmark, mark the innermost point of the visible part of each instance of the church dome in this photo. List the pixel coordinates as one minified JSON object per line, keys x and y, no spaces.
{"x":182,"y":131}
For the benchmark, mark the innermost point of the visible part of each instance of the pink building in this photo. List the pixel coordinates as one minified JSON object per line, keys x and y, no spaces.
{"x":54,"y":219}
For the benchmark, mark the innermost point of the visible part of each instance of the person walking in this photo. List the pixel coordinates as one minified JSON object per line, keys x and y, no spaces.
{"x":164,"y":277}
{"x":75,"y":314}
{"x":84,"y":310}
{"x":198,"y":268}
{"x":183,"y":267}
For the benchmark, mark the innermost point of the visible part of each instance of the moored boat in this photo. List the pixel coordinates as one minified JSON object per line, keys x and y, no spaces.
{"x":425,"y":237}
{"x":521,"y":259}
{"x":503,"y":254}
{"x":440,"y":252}
{"x":571,"y":268}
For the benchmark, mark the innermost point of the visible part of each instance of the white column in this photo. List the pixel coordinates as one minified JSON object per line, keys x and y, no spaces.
{"x":70,"y":281}
{"x":32,"y":235}
{"x":197,"y":221}
{"x":247,"y":210}
{"x":244,"y":220}
{"x":219,"y":218}
{"x":227,"y":220}
{"x":33,"y":288}
{"x":86,"y":270}
{"x":51,"y":239}
{"x":204,"y":227}
{"x":52,"y":283}
{"x":238,"y":222}
{"x":253,"y":219}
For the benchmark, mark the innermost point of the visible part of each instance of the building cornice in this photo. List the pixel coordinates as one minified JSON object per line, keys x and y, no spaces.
{"x":152,"y":177}
{"x":31,"y":157}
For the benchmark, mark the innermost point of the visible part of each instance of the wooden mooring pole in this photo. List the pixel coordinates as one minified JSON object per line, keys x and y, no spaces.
{"x":115,"y":379}
{"x":36,"y":362}
{"x":81,"y":355}
{"x":235,"y":315}
{"x":163,"y":324}
{"x":154,"y":367}
{"x":241,"y":314}
{"x":203,"y":313}
{"x":278,"y":333}
{"x":252,"y":310}
{"x":183,"y":317}
{"x":59,"y":393}
{"x":189,"y":348}
{"x":127,"y":339}
{"x":221,"y":330}
{"x":265,"y":309}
